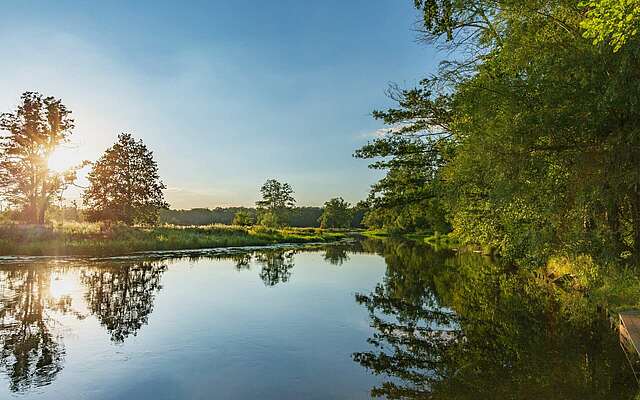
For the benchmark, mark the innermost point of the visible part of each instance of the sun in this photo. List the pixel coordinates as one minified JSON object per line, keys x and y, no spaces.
{"x":62,"y":158}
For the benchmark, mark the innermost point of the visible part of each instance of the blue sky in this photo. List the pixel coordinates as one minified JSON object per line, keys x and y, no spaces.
{"x":226,"y":93}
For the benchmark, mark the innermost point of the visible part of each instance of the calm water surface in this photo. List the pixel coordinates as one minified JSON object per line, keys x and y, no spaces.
{"x":351,"y":321}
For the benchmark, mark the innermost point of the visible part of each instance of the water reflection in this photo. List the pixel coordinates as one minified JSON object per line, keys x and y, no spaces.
{"x":121,"y":296}
{"x":462,"y":327}
{"x":337,"y":254}
{"x":443,"y":326}
{"x":276,"y":266}
{"x":32,"y":349}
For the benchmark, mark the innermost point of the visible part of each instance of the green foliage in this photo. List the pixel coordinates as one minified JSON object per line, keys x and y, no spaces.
{"x":243,"y":218}
{"x":203,"y":216}
{"x":276,"y":195}
{"x":33,"y":132}
{"x":277,"y":201}
{"x":304,"y":217}
{"x":612,"y":21}
{"x":359,"y":211}
{"x":125,"y":185}
{"x":272,"y":219}
{"x":526,"y":142}
{"x":94,"y":239}
{"x":337,"y":214}
{"x":301,"y":217}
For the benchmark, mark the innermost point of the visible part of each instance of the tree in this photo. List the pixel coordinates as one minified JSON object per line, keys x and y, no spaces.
{"x":277,"y":201}
{"x":125,"y":185}
{"x":33,"y":132}
{"x":613,"y":21}
{"x":526,"y":140}
{"x":359,"y":211}
{"x":243,"y":218}
{"x":271,"y":219}
{"x":337,"y":214}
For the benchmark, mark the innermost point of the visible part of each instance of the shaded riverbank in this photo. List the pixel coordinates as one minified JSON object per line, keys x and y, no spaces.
{"x":94,"y":240}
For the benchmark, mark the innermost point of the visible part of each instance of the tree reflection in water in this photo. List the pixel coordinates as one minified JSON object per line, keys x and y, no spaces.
{"x":32,"y":350}
{"x":461,"y":327}
{"x":242,"y":261}
{"x":276,"y":265}
{"x":446,"y":326}
{"x":336,"y":254}
{"x":121,"y":295}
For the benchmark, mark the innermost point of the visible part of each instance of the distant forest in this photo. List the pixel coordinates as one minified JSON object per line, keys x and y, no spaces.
{"x":302,"y":217}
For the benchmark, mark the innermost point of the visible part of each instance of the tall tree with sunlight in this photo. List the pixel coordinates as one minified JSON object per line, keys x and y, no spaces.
{"x":125,"y":185}
{"x":31,"y":134}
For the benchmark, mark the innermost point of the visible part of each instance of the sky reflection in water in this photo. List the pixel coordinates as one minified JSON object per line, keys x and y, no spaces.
{"x":345,"y":321}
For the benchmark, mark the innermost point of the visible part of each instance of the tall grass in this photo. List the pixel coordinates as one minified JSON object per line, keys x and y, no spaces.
{"x":85,"y":239}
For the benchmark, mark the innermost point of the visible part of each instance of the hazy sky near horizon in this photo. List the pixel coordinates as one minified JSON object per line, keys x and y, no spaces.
{"x":225,"y":93}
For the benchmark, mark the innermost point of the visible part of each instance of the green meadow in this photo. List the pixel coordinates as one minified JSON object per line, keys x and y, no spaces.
{"x":93,"y":239}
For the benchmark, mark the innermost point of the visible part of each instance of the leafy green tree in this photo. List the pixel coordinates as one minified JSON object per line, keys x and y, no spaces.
{"x":277,"y":201}
{"x":612,"y":21}
{"x":271,"y":219}
{"x":358,"y":211}
{"x":243,"y":218}
{"x":337,"y":214}
{"x":524,"y":140}
{"x":125,"y":185}
{"x":32,"y":133}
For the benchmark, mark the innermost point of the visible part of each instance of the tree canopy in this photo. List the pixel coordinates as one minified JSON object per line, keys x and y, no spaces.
{"x":243,"y":218}
{"x":277,"y":200}
{"x":32,"y":133}
{"x":611,"y":21}
{"x":337,"y":213}
{"x":125,"y":185}
{"x":526,"y":139}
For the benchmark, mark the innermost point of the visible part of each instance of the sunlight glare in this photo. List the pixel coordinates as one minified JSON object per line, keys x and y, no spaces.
{"x":62,"y":285}
{"x":61,"y":159}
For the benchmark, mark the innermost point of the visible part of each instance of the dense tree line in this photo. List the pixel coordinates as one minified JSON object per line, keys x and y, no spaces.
{"x":204,"y":216}
{"x":299,"y":217}
{"x":527,"y":138}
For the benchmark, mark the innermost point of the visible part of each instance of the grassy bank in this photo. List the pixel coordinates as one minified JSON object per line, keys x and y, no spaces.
{"x":93,"y":240}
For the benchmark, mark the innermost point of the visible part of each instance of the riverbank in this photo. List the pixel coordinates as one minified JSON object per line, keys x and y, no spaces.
{"x":84,"y":239}
{"x":437,"y":241}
